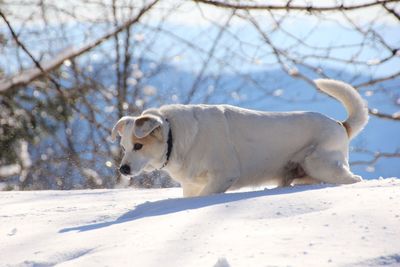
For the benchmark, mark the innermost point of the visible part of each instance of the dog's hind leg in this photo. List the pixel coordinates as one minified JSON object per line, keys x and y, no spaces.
{"x":294,"y":174}
{"x":329,"y":167}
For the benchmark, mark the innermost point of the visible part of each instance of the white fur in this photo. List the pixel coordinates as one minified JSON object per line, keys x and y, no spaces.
{"x":355,"y":105}
{"x":221,"y":147}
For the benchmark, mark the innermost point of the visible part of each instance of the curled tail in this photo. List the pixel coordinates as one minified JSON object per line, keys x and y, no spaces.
{"x":356,"y":106}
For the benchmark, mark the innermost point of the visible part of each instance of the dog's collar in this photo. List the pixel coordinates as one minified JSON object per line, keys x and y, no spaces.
{"x":169,"y":143}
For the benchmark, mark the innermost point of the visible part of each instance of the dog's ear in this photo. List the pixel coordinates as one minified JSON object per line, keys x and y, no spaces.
{"x":119,"y":127}
{"x":146,"y":124}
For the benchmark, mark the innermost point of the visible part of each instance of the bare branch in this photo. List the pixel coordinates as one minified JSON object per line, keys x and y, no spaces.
{"x":378,"y":114}
{"x":28,"y":76}
{"x":207,"y":61}
{"x":289,"y":6}
{"x":376,"y":156}
{"x":20,"y":44}
{"x":392,"y":11}
{"x":378,"y":80}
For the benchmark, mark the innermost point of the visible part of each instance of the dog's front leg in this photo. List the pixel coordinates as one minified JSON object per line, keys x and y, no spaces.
{"x":217,"y":185}
{"x":190,"y":189}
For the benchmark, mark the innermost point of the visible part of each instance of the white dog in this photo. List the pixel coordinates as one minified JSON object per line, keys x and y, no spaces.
{"x":209,"y":149}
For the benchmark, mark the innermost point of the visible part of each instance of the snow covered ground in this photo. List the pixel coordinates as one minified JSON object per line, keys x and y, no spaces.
{"x":352,"y":225}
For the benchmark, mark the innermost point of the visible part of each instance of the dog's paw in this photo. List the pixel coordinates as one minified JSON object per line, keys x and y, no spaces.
{"x":357,"y":178}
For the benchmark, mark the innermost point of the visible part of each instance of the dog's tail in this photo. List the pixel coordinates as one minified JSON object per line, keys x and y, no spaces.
{"x":356,"y":106}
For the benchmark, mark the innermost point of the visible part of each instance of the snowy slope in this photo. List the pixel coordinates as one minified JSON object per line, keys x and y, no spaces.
{"x":353,"y":225}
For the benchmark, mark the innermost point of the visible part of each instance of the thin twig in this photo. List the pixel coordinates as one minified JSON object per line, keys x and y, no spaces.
{"x":28,"y":76}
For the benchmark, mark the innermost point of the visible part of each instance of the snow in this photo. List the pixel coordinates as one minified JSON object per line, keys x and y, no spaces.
{"x":320,"y":225}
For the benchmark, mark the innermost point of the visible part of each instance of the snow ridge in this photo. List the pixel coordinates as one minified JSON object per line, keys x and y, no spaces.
{"x":351,"y":225}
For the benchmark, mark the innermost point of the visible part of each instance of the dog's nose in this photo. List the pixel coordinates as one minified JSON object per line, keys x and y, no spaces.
{"x":125,"y":169}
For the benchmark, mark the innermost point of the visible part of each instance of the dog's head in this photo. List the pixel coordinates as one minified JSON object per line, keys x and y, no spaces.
{"x":143,"y":141}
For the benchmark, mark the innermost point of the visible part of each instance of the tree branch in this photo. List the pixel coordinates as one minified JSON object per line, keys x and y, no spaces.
{"x":376,"y":156}
{"x":288,"y":6}
{"x":23,"y":47}
{"x":376,"y":113}
{"x":392,"y":11}
{"x":30,"y":75}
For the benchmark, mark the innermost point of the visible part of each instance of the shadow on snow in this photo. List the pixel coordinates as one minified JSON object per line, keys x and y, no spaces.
{"x":387,"y":260}
{"x":168,"y":206}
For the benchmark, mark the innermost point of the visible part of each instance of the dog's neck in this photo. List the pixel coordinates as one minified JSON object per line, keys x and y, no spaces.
{"x":169,"y":144}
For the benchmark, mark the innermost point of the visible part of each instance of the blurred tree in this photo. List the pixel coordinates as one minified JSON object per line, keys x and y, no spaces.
{"x":70,"y":69}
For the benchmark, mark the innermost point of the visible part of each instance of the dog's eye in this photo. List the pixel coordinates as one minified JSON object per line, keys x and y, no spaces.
{"x":137,"y":146}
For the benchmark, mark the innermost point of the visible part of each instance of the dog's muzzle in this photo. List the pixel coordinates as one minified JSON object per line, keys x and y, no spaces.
{"x":125,"y":169}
